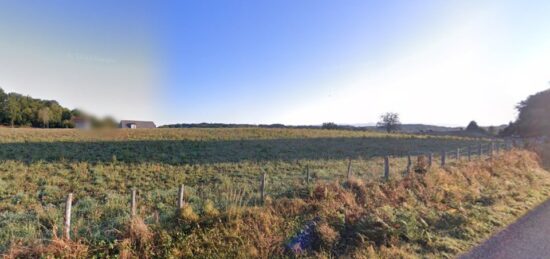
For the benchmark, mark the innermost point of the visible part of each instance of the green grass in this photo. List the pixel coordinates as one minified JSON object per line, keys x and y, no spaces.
{"x":39,"y":167}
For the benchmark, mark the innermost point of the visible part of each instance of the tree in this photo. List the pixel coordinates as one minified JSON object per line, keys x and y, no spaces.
{"x":473,"y":127}
{"x":389,"y":122}
{"x":56,"y":113}
{"x":77,"y":113}
{"x":3,"y":100}
{"x":44,"y":116}
{"x":13,"y":109}
{"x":534,"y":116}
{"x":66,"y":115}
{"x":509,"y":131}
{"x":329,"y":125}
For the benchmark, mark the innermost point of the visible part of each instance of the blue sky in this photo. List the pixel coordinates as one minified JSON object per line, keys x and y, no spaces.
{"x":293,"y":62}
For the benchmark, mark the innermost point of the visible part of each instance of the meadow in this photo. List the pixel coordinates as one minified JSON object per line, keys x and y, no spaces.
{"x":221,"y":169}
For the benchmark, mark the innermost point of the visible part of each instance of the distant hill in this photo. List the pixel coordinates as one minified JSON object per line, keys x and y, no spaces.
{"x":235,"y":125}
{"x":490,"y":131}
{"x":423,"y":128}
{"x":405,"y":128}
{"x":486,"y":131}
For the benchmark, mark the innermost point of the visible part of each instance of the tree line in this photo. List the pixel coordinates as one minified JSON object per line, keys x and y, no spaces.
{"x":389,"y":122}
{"x":17,"y":110}
{"x":25,"y":111}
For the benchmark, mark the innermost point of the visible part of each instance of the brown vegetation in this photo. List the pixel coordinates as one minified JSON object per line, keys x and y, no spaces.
{"x":438,"y":214}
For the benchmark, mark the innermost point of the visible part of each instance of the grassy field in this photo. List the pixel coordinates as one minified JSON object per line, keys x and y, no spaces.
{"x":162,"y":159}
{"x":221,"y":169}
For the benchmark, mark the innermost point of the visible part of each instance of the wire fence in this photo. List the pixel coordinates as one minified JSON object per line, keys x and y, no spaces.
{"x":245,"y":191}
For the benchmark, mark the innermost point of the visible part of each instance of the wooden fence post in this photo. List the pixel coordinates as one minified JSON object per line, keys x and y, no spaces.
{"x":480,"y":150}
{"x":349,"y":170}
{"x":68,"y":205}
{"x":469,"y":153}
{"x":386,"y":168}
{"x":443,"y":158}
{"x":133,"y":204}
{"x":262,"y":188}
{"x":491,"y":149}
{"x":430,"y":159}
{"x":307,"y":174}
{"x":458,"y":154}
{"x":181,"y":193}
{"x":409,"y":163}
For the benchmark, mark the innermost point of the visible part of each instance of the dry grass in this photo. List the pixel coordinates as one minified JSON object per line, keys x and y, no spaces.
{"x":56,"y":248}
{"x":137,"y":240}
{"x":438,"y":214}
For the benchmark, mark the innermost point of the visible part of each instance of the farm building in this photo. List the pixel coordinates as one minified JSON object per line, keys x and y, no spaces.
{"x":128,"y":124}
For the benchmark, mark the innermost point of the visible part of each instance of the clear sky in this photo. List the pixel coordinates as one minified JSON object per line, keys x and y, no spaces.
{"x":283,"y":61}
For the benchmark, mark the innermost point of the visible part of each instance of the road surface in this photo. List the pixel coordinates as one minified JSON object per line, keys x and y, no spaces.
{"x":529,"y":237}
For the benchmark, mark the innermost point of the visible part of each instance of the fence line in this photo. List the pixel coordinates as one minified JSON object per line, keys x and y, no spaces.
{"x":488,"y":150}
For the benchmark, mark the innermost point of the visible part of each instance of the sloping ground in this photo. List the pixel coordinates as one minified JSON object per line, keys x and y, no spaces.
{"x":441,"y":213}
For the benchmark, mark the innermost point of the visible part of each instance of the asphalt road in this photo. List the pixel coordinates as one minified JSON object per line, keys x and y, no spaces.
{"x":529,"y":237}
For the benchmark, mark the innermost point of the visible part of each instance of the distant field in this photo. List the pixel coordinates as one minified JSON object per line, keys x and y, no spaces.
{"x":30,"y":134}
{"x":39,"y":167}
{"x":192,"y":146}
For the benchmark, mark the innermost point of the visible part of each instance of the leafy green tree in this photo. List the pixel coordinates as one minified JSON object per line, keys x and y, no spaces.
{"x":473,"y":127}
{"x":56,"y":113}
{"x":3,"y":102}
{"x":534,"y":115}
{"x":28,"y":115}
{"x":510,"y":130}
{"x":329,"y":125}
{"x":44,"y":116}
{"x":389,"y":122}
{"x":66,"y":115}
{"x":77,"y":113}
{"x":13,"y":109}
